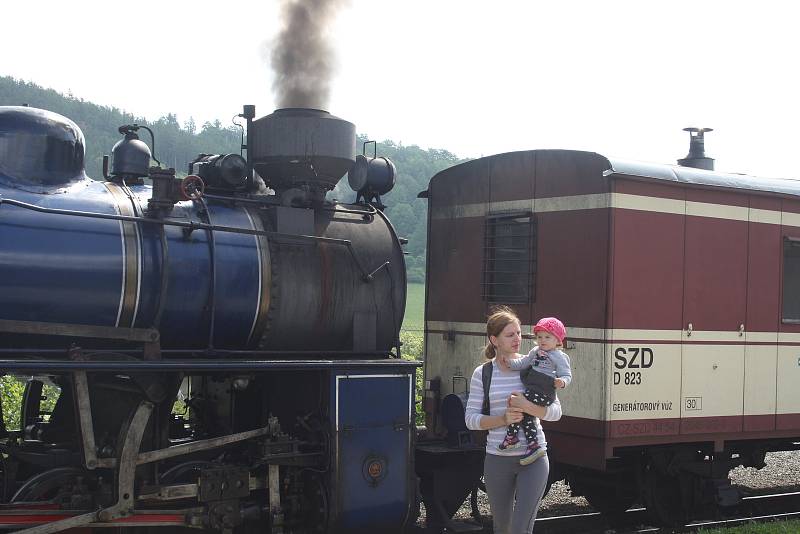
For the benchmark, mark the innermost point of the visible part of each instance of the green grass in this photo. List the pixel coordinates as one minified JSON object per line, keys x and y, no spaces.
{"x":411,"y":336}
{"x":415,"y":308}
{"x":777,"y":527}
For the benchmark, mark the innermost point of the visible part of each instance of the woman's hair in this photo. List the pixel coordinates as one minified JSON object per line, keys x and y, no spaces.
{"x":499,"y":318}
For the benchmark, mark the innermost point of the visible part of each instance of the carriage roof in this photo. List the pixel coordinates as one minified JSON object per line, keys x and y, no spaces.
{"x":690,"y":175}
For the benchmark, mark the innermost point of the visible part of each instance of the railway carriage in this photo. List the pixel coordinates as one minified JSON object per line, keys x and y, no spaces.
{"x":680,"y":288}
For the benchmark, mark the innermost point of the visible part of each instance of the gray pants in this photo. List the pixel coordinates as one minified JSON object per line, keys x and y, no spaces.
{"x":505,"y":479}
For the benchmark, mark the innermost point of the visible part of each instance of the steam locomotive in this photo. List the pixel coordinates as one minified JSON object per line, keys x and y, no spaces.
{"x":223,"y":346}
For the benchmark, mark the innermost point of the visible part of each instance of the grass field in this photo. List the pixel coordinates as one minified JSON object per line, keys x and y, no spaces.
{"x":778,"y":527}
{"x":415,"y":308}
{"x":412,"y":338}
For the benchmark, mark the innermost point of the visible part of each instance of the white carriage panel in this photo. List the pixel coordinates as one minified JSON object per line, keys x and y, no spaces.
{"x":458,"y":356}
{"x":760,"y":368}
{"x":788,"y":378}
{"x":644,"y":379}
{"x":712,"y":376}
{"x":585,"y":395}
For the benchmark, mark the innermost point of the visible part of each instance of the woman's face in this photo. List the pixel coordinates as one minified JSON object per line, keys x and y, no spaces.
{"x":509,"y":339}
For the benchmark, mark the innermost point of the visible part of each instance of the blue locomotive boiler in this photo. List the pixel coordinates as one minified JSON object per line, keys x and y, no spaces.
{"x":223,"y":346}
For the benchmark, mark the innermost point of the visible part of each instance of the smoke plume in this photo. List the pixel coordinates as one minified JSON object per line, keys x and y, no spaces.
{"x":302,"y":57}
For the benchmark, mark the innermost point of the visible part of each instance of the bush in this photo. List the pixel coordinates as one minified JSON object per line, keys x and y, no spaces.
{"x":412,"y":350}
{"x":11,"y":391}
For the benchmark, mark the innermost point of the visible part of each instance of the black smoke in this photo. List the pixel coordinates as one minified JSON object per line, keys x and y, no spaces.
{"x":302,"y":57}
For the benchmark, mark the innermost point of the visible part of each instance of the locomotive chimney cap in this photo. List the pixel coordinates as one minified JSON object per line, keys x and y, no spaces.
{"x":302,"y":147}
{"x":699,"y":131}
{"x":697,"y":151}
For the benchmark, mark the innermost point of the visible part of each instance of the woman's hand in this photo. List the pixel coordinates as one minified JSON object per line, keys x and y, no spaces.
{"x":518,"y":401}
{"x":512,"y":415}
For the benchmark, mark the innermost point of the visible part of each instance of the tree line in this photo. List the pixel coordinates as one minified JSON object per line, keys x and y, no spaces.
{"x":177,"y":144}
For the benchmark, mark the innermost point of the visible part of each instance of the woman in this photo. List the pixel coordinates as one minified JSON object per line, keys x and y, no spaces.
{"x":506,"y":479}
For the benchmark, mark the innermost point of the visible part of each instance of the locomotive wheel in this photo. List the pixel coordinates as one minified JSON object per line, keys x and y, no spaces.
{"x":5,"y":479}
{"x":185,"y":472}
{"x":665,"y":499}
{"x":45,"y":485}
{"x":317,"y":497}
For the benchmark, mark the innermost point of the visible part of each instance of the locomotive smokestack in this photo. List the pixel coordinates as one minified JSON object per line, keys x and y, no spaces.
{"x":697,"y":150}
{"x":302,"y":58}
{"x":301,"y":149}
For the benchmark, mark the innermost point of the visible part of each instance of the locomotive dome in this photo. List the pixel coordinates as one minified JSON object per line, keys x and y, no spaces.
{"x":39,"y":148}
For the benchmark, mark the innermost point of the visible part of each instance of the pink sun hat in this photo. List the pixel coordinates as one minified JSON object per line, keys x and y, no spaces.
{"x":552,"y":326}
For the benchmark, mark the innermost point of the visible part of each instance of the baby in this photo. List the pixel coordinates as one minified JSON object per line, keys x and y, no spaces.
{"x":544,"y":369}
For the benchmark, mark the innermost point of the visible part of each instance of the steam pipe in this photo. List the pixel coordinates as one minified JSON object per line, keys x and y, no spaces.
{"x":192,"y":226}
{"x":249,"y":113}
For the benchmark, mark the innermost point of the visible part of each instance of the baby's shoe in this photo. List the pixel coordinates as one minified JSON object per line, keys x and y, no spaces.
{"x":510,"y":443}
{"x":533,"y":453}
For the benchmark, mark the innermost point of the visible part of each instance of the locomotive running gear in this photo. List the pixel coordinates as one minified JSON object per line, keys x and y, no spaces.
{"x":553,"y":326}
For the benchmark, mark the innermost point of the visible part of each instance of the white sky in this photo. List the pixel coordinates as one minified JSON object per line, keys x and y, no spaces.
{"x":474,"y":77}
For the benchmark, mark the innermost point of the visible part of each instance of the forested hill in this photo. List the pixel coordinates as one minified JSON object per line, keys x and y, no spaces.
{"x":176,"y":145}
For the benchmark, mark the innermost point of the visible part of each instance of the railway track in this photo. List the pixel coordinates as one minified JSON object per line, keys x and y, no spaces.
{"x":758,"y":508}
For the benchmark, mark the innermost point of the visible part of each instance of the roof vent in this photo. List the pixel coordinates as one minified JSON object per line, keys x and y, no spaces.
{"x":697,"y":150}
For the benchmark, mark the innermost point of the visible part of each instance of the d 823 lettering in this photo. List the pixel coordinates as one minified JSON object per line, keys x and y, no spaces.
{"x":631,"y":358}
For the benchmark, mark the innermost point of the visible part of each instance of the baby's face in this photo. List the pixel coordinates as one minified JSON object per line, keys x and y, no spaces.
{"x":546,"y":340}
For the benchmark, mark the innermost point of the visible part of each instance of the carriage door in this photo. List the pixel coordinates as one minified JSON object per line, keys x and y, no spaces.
{"x":714,"y":308}
{"x":763,"y":302}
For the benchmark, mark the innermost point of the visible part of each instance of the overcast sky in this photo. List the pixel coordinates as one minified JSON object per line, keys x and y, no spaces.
{"x":621,"y":78}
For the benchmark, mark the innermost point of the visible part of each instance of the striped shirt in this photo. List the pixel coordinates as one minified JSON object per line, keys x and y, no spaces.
{"x":504,"y":383}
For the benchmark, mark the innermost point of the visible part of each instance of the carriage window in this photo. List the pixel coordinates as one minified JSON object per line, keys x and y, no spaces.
{"x":510,"y":260}
{"x":791,"y":280}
